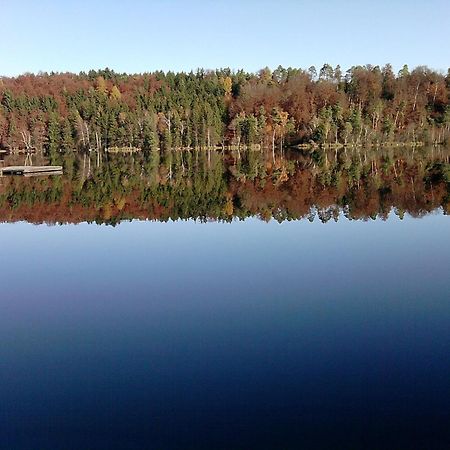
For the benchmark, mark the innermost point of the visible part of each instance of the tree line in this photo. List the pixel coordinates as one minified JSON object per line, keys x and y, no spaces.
{"x":60,"y":112}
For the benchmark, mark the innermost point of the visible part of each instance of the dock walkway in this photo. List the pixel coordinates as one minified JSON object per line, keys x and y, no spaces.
{"x":24,"y":170}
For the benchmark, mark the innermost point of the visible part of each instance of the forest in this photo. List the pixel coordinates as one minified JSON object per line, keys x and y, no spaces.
{"x":62,"y":112}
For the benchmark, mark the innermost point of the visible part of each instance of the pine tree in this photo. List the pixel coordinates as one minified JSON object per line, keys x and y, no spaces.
{"x":67,"y":141}
{"x":53,"y":133}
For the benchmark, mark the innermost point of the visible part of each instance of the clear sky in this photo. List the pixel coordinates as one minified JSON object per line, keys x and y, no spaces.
{"x":137,"y":36}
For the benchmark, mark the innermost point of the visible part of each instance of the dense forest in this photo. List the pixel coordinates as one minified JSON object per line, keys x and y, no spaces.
{"x":318,"y":184}
{"x":60,"y":112}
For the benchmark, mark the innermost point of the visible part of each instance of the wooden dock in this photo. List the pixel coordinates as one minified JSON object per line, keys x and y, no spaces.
{"x":31,"y":170}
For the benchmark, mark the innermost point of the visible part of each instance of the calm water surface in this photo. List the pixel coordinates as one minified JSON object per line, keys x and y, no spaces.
{"x":226,"y":335}
{"x":325,"y":325}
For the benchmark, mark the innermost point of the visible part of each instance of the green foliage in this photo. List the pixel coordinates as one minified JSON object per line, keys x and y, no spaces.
{"x":205,"y":185}
{"x":209,"y":108}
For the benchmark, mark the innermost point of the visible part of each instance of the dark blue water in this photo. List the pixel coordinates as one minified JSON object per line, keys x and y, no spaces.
{"x":226,"y":336}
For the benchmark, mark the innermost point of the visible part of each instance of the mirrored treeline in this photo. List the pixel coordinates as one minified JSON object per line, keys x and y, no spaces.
{"x":321,"y":184}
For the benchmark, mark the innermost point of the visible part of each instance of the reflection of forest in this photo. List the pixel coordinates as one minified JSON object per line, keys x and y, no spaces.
{"x":210,"y":185}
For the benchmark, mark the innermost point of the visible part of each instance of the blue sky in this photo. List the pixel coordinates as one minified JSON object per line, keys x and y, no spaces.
{"x":137,"y":36}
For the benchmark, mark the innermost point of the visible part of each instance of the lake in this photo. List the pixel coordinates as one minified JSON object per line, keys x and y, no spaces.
{"x":227,"y":301}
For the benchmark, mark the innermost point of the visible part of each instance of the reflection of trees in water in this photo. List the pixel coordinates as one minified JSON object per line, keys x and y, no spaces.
{"x":215,"y":185}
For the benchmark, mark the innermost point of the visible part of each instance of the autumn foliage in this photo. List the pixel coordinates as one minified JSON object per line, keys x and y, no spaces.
{"x":63,"y":111}
{"x":208,"y":185}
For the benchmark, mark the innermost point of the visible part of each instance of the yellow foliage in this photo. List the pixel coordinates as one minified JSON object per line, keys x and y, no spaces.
{"x":227,"y":85}
{"x":120,"y":203}
{"x":107,"y":211}
{"x":283,"y":175}
{"x":122,"y":117}
{"x":229,"y":207}
{"x":101,"y":85}
{"x":115,"y":93}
